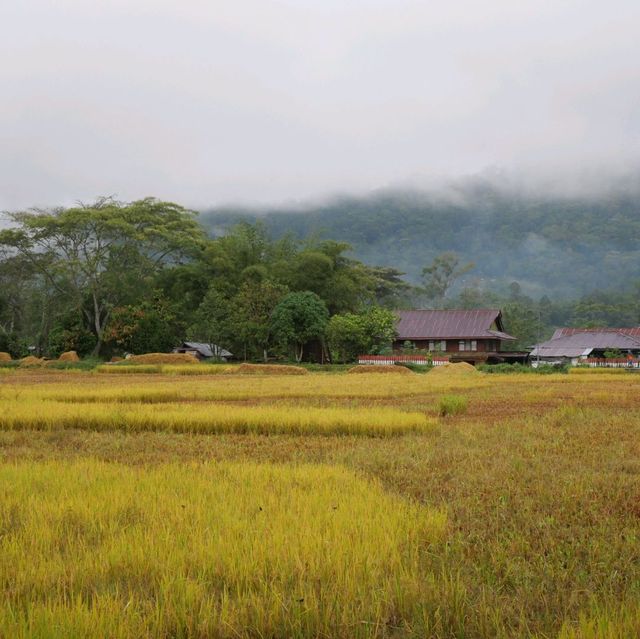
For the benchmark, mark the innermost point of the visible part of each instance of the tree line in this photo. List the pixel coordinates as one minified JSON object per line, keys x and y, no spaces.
{"x":110,"y":277}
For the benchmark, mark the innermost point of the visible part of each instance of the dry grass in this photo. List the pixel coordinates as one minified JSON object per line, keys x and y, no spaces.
{"x":5,"y":357}
{"x":69,"y":356}
{"x":455,"y":370}
{"x":539,"y":477}
{"x":367,"y":370}
{"x":267,"y":369}
{"x":211,"y":419}
{"x":31,"y":361}
{"x":163,"y":358}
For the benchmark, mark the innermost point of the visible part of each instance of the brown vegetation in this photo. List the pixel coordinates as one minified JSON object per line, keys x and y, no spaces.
{"x":267,"y":369}
{"x":31,"y":361}
{"x":5,"y":357}
{"x":163,"y":358}
{"x":69,"y":356}
{"x":454,"y":370}
{"x":402,"y":370}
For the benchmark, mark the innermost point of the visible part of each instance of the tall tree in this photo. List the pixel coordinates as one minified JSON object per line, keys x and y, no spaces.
{"x":441,"y":274}
{"x":299,"y":318}
{"x":102,"y":255}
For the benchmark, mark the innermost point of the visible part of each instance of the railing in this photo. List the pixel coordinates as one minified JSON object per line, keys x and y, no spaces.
{"x":389,"y":360}
{"x":622,"y":362}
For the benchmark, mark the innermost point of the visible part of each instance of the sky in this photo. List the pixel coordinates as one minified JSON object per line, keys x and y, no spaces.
{"x":257,"y":101}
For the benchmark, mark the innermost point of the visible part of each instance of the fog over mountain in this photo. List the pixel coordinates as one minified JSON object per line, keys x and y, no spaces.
{"x":263,"y":101}
{"x":556,"y":241}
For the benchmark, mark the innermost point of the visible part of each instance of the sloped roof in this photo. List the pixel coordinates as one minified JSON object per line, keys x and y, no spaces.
{"x":565,"y":331}
{"x":205,"y":349}
{"x":575,"y":344}
{"x":452,"y":324}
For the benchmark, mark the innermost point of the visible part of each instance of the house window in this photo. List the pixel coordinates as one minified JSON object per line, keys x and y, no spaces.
{"x":443,"y":346}
{"x":474,"y":345}
{"x":461,"y":345}
{"x":432,"y":345}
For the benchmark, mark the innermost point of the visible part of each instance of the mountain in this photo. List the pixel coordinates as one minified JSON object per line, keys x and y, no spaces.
{"x":555,"y":245}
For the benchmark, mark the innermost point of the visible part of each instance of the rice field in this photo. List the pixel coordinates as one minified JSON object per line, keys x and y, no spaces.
{"x":170,"y":504}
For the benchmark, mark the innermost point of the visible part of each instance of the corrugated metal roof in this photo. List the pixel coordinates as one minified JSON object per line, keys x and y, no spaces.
{"x":565,"y":331}
{"x":206,"y":351}
{"x":586,"y":339}
{"x":454,"y":324}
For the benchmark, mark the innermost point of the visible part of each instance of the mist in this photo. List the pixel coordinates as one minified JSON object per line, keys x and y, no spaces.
{"x":262,"y":102}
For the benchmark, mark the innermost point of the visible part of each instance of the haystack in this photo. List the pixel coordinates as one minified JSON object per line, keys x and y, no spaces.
{"x":163,"y":358}
{"x":69,"y":356}
{"x":31,"y":361}
{"x":461,"y":369}
{"x":402,"y":370}
{"x":5,"y":357}
{"x":116,"y":359}
{"x":267,"y":369}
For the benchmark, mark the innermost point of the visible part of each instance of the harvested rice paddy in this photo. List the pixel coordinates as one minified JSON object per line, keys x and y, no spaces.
{"x":169,"y":504}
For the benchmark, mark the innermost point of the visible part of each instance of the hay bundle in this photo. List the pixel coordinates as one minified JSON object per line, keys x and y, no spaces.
{"x":116,"y":359}
{"x":31,"y":361}
{"x":461,"y":369}
{"x":163,"y":358}
{"x":5,"y":357}
{"x":401,"y":370}
{"x":69,"y":356}
{"x":268,"y":369}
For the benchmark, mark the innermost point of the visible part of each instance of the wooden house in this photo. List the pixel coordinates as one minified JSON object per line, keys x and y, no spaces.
{"x":204,"y":351}
{"x":463,"y":335}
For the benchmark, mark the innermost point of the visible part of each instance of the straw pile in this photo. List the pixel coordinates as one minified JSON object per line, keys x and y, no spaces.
{"x":267,"y":369}
{"x":460,"y":369}
{"x":163,"y":358}
{"x":69,"y":356}
{"x":31,"y":361}
{"x":5,"y":357}
{"x":401,"y":370}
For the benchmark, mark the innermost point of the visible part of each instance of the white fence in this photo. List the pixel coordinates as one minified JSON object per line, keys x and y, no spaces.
{"x":390,"y":360}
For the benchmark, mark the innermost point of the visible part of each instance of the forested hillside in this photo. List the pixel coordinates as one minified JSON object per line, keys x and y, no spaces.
{"x":559,"y":247}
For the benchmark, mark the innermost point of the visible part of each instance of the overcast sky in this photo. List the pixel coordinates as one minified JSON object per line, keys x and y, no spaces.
{"x":205,"y":101}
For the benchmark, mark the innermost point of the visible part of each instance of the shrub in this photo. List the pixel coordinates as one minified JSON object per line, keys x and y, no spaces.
{"x":452,"y":405}
{"x":507,"y":369}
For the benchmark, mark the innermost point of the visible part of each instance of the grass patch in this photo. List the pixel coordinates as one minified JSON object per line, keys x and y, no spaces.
{"x":216,"y":550}
{"x":211,"y":419}
{"x":452,"y":405}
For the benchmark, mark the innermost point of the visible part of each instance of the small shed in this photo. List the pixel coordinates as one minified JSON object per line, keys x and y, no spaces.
{"x":202,"y":350}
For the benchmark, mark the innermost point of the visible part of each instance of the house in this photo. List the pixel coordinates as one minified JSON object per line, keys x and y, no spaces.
{"x":573,"y":345}
{"x":204,"y":351}
{"x":475,"y":336}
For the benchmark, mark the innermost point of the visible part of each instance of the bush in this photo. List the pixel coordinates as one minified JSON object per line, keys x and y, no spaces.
{"x":452,"y":405}
{"x":416,"y":368}
{"x":507,"y":369}
{"x":403,"y":370}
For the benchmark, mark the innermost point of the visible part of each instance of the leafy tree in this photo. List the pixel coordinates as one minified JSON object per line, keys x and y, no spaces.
{"x":350,"y":335}
{"x":253,"y":306}
{"x":149,"y":327}
{"x":102,"y":255}
{"x":441,"y":274}
{"x":213,"y":321}
{"x":299,"y":318}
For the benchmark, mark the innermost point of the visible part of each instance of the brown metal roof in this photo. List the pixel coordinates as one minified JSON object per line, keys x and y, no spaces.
{"x":566,"y":331}
{"x":457,"y":324}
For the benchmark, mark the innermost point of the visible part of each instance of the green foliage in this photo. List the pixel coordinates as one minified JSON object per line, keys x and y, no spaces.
{"x":298,"y":319}
{"x":614,"y":353}
{"x":70,"y":334}
{"x":452,"y":405}
{"x":368,"y":332}
{"x":149,"y":327}
{"x":507,"y":369}
{"x":441,"y":274}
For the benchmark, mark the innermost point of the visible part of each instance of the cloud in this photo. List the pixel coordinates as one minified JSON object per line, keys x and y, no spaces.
{"x":257,"y":100}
